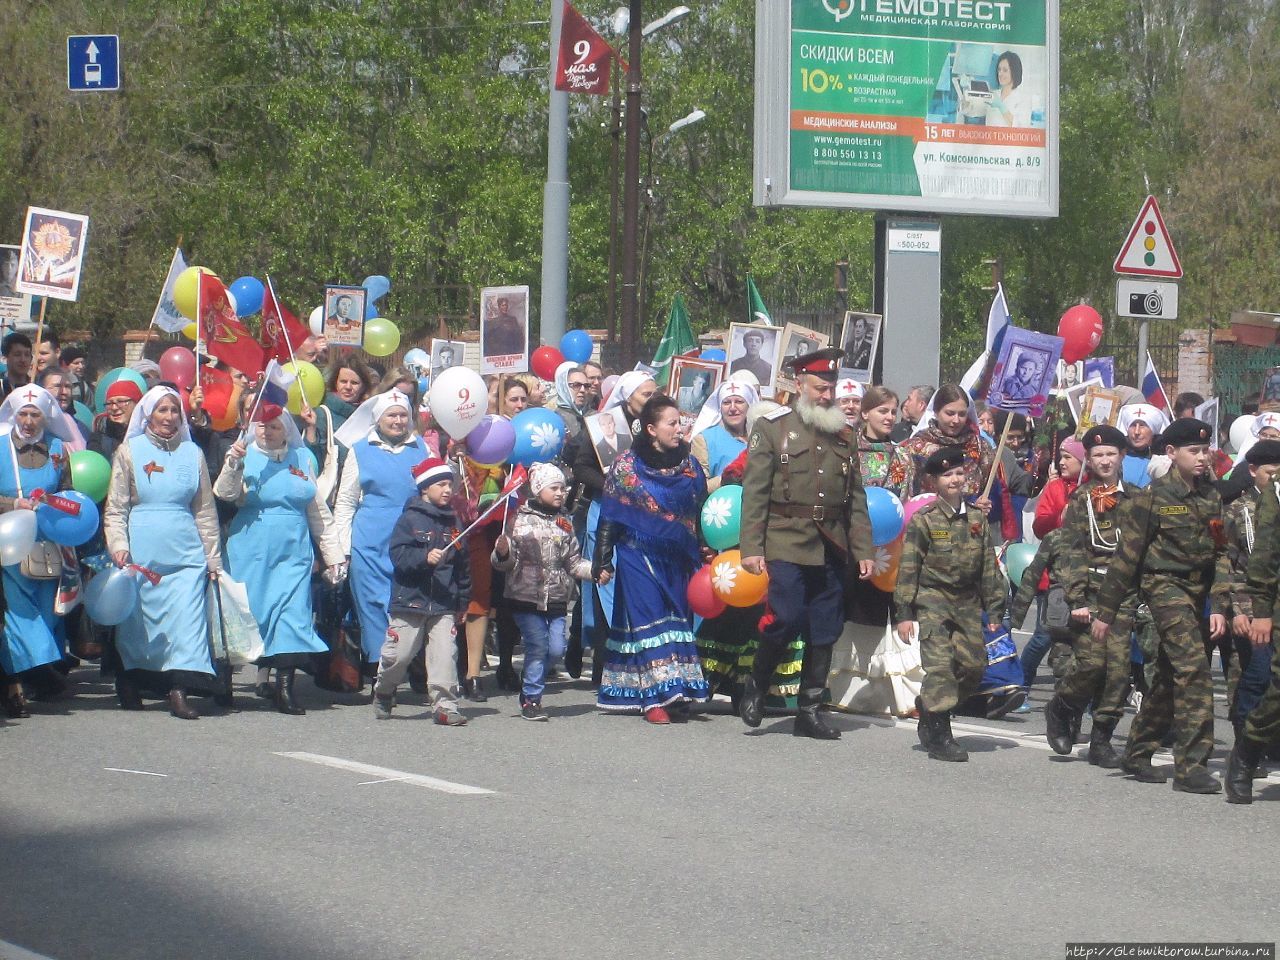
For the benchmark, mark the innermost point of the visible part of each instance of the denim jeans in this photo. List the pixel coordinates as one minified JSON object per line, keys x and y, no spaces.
{"x":1254,"y":680}
{"x":1036,"y":647}
{"x":544,"y":643}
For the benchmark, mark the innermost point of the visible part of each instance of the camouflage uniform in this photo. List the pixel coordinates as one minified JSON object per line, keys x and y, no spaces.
{"x":1051,"y":559}
{"x":1173,"y":546}
{"x":1262,"y":725}
{"x":947,"y":577}
{"x":1241,"y":527}
{"x":1099,"y":672}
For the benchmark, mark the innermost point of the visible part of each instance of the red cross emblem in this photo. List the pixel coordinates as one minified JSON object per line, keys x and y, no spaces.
{"x":31,"y":395}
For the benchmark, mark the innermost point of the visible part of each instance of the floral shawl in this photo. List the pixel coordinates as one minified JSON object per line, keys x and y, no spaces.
{"x":874,"y":458}
{"x":906,"y":469}
{"x":658,"y":506}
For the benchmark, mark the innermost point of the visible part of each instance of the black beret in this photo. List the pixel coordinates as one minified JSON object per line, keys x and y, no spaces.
{"x":944,"y":459}
{"x":1104,"y":435}
{"x":1263,"y":453}
{"x":1185,"y":432}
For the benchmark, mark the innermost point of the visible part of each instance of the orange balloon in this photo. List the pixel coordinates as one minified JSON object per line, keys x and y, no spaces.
{"x":733,"y":584}
{"x":887,"y":558}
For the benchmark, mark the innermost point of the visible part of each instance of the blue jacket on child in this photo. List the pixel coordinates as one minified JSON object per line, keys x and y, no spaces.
{"x":416,"y":587}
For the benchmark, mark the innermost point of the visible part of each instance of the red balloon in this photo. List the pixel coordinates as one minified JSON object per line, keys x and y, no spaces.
{"x":1081,"y":331}
{"x":544,"y":362}
{"x":178,"y":365}
{"x":703,"y":600}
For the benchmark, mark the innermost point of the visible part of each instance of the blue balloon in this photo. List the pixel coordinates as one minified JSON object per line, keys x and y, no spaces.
{"x":539,"y":436}
{"x":248,"y":292}
{"x":64,"y":529}
{"x":714,"y":355}
{"x":887,"y":518}
{"x":424,"y":386}
{"x":576,"y":346}
{"x":110,"y":596}
{"x":377,"y":286}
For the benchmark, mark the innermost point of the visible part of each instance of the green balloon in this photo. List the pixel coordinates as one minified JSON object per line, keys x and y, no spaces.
{"x":90,"y":474}
{"x":1016,"y":560}
{"x":722,"y":518}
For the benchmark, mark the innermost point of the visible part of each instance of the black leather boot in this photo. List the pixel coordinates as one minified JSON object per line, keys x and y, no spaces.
{"x":127,"y":692}
{"x":1244,"y":759}
{"x":179,"y":707}
{"x":284,"y":700}
{"x":754,"y":688}
{"x":1059,"y":725}
{"x":813,"y":684}
{"x":1101,"y":753}
{"x":943,"y":745}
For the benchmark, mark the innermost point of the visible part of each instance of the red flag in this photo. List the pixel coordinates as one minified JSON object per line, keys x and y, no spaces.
{"x":584,"y":57}
{"x":224,"y":336}
{"x":280,"y":329}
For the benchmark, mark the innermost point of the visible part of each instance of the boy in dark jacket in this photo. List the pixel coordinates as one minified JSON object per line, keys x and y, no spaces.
{"x":429,"y":588}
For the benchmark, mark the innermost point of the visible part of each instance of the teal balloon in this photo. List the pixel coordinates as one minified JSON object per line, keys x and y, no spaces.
{"x":722,"y":518}
{"x":1016,"y":560}
{"x":84,"y":414}
{"x":110,"y":377}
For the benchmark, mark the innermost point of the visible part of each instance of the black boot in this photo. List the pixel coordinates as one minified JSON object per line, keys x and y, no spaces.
{"x":1241,"y":764}
{"x":1101,"y":753}
{"x":284,"y":693}
{"x":127,"y":692}
{"x":1143,"y":770}
{"x":942,"y":745}
{"x":751,"y":704}
{"x":473,"y":691}
{"x":179,"y":707}
{"x":813,"y":684}
{"x":1059,"y":719}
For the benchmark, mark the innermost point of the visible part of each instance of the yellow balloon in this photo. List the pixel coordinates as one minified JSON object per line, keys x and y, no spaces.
{"x":185,"y":290}
{"x":309,"y":383}
{"x":190,"y":331}
{"x":381,"y":337}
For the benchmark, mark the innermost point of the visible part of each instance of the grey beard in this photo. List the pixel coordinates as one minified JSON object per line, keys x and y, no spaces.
{"x":827,"y":419}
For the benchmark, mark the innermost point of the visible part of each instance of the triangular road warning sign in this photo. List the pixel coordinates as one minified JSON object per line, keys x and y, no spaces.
{"x":1148,"y":252}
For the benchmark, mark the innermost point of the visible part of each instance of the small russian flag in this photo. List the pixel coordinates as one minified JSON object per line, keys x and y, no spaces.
{"x":274,"y":393}
{"x":1152,"y":388}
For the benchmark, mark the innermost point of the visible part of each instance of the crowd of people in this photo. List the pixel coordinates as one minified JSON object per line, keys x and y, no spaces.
{"x":358,"y":530}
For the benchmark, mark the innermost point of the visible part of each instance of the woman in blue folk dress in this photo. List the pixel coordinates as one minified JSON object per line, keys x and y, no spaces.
{"x":160,"y":515}
{"x":34,"y":441}
{"x":269,"y":545}
{"x":377,"y":479}
{"x":648,"y":535}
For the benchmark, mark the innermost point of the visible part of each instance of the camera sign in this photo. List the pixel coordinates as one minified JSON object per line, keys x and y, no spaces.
{"x":1147,"y":299}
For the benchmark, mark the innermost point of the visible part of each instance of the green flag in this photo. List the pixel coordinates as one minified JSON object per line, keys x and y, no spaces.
{"x":757,"y":311}
{"x":676,"y":339}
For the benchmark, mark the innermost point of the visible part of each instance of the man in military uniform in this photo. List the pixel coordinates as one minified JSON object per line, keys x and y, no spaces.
{"x":751,"y":361}
{"x":1097,"y":673}
{"x":1173,"y":543}
{"x":947,"y":579}
{"x":1253,"y":524}
{"x":804,"y":519}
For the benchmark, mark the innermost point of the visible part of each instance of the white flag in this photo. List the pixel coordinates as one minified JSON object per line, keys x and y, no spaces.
{"x":167,"y":317}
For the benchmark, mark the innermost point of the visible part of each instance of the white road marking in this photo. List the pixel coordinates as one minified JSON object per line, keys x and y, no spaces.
{"x":143,"y":773}
{"x":11,"y":951}
{"x":386,"y":774}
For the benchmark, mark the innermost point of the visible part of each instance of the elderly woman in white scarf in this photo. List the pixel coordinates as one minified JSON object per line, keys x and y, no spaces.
{"x":272,"y":481}
{"x":35,"y":438}
{"x":719,"y":434}
{"x":377,"y":480}
{"x":160,"y":515}
{"x":1141,"y":424}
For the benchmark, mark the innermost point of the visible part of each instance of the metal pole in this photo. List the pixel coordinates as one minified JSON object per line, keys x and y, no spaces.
{"x":555,"y":201}
{"x":631,"y":192}
{"x":1142,"y":351}
{"x":615,"y":133}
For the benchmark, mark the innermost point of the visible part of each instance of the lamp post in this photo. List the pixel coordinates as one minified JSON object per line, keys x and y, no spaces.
{"x":696,"y":116}
{"x":636,"y":32}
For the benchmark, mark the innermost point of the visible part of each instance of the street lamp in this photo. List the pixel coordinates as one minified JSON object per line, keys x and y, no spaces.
{"x":674,"y":15}
{"x":687,"y":121}
{"x":696,"y":116}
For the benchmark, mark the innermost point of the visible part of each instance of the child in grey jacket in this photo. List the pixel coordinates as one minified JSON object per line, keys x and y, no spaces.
{"x":543,"y":561}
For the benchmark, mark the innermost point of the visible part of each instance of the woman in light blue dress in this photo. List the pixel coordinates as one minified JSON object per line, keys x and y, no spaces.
{"x":35,"y":439}
{"x":160,"y":515}
{"x":269,"y":545}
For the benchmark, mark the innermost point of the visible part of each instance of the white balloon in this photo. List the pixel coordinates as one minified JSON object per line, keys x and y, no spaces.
{"x":1241,"y":432}
{"x":459,"y":400}
{"x":17,"y":536}
{"x":231,"y":299}
{"x":317,"y":321}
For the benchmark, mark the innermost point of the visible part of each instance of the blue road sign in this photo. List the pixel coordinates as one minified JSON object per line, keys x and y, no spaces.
{"x":93,"y":63}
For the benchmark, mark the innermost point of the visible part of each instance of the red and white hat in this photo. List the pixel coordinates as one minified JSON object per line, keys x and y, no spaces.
{"x":431,"y":470}
{"x":849,"y":388}
{"x":125,"y":390}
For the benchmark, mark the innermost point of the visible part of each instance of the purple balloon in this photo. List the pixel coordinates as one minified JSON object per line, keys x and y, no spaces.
{"x":492,"y":440}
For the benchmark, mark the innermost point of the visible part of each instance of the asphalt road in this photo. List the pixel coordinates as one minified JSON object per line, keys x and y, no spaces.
{"x":602,"y":836}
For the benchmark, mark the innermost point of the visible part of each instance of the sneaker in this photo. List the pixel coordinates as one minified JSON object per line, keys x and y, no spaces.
{"x":532,"y":710}
{"x":1135,"y":700}
{"x":449,"y":718}
{"x":1025,"y":706}
{"x":382,"y":707}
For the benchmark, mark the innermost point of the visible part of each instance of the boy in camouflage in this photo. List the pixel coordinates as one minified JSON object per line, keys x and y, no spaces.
{"x":1172,"y":542}
{"x":948,"y":568}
